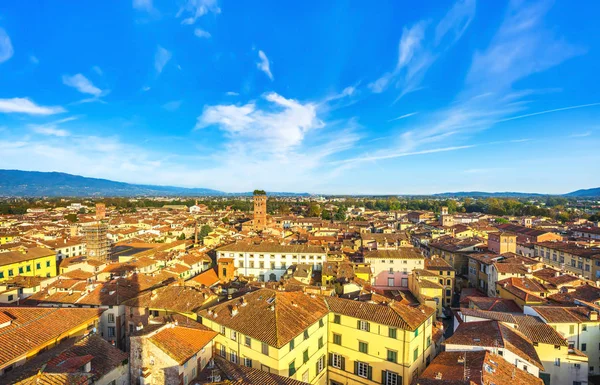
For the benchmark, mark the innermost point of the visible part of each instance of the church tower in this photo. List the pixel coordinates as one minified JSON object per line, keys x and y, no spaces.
{"x":260,"y":210}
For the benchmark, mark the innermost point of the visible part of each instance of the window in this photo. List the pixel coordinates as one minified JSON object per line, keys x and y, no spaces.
{"x":392,"y":356}
{"x":1,"y":274}
{"x":223,"y":352}
{"x":222,"y":329}
{"x":416,"y":332}
{"x":321,"y":364}
{"x":306,"y":334}
{"x":428,"y":341}
{"x":392,"y":332}
{"x":363,"y":347}
{"x":47,"y":263}
{"x":233,"y":357}
{"x":361,"y":369}
{"x":320,"y":342}
{"x":583,"y":347}
{"x":10,"y":297}
{"x":584,"y":328}
{"x":337,"y":319}
{"x":415,"y":354}
{"x":337,"y":339}
{"x":321,"y":324}
{"x":28,"y":268}
{"x":305,"y":376}
{"x":557,"y":362}
{"x":193,"y":372}
{"x":111,"y":331}
{"x":248,"y":341}
{"x":292,"y":344}
{"x":265,"y":349}
{"x":337,"y":361}
{"x":247,"y":362}
{"x":292,"y":368}
{"x":20,"y":270}
{"x":10,"y":272}
{"x":363,"y":325}
{"x":234,"y":335}
{"x":305,"y":356}
{"x":111,"y":318}
{"x":391,"y":378}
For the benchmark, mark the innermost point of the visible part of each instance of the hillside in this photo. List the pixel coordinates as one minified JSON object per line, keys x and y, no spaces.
{"x":33,"y":183}
{"x":586,"y":193}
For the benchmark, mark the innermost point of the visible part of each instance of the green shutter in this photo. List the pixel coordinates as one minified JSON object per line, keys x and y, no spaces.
{"x":356,"y":367}
{"x":370,"y":372}
{"x":330,"y":359}
{"x":343,"y":363}
{"x":383,"y":376}
{"x":358,"y":324}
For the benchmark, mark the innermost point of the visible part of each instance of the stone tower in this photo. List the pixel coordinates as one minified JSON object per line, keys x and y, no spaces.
{"x":260,"y":210}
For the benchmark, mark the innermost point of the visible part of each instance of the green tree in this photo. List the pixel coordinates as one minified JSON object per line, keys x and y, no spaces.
{"x":204,"y":231}
{"x":314,"y":210}
{"x":71,"y":218}
{"x":181,"y":237}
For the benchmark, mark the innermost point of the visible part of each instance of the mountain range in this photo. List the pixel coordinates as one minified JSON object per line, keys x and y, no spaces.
{"x":17,"y":183}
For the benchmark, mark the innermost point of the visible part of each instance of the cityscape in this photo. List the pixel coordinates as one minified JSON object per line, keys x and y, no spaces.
{"x":208,"y":192}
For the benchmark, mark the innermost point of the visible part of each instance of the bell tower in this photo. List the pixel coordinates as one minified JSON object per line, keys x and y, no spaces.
{"x":260,"y":210}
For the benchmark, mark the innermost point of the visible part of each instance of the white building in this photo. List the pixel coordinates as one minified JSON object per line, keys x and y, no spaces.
{"x":269,"y":261}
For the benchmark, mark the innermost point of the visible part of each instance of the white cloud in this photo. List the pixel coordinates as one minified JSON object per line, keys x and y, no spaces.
{"x":232,"y":93}
{"x":143,"y":5}
{"x":81,"y":84}
{"x":419,"y":48}
{"x":6,"y":48}
{"x":194,"y":9}
{"x":403,"y":116}
{"x":264,"y":65}
{"x":172,"y":105}
{"x":34,"y":60}
{"x":26,"y":106}
{"x":98,"y":70}
{"x":282,"y":126}
{"x":161,"y":58}
{"x":49,"y":130}
{"x":199,"y":32}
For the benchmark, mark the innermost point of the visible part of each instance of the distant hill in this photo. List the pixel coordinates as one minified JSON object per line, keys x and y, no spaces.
{"x":17,"y":183}
{"x":482,"y":194}
{"x":587,"y":193}
{"x":33,"y":183}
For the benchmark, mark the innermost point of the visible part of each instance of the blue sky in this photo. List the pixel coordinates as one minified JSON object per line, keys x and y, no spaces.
{"x":317,"y":96}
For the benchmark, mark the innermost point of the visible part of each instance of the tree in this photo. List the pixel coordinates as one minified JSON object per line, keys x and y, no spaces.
{"x":204,"y":231}
{"x":340,"y":215}
{"x":71,"y":218}
{"x":314,"y":210}
{"x":181,"y":237}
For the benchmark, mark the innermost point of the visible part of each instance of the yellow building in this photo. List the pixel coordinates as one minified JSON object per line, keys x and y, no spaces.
{"x":34,"y":262}
{"x":578,"y":324}
{"x":314,"y":338}
{"x":424,"y":285}
{"x":523,"y":291}
{"x":7,"y":238}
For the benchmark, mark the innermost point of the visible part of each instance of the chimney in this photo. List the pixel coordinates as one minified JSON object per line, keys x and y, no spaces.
{"x":438,"y":376}
{"x":593,"y":315}
{"x":88,"y":367}
{"x":244,"y":302}
{"x":234,"y":310}
{"x":153,"y":295}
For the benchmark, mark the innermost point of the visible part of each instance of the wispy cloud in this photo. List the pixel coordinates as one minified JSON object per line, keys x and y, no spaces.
{"x":581,"y":135}
{"x":420,"y":46}
{"x":232,"y":93}
{"x":172,"y":105}
{"x":143,"y":5}
{"x":520,"y":47}
{"x":34,"y":60}
{"x":403,"y":116}
{"x":199,"y":32}
{"x":549,"y":111}
{"x":264,"y":64}
{"x":98,"y":70}
{"x":81,"y":84}
{"x":6,"y":48}
{"x":161,"y":58}
{"x":51,"y":128}
{"x":194,"y":9}
{"x":27,"y":106}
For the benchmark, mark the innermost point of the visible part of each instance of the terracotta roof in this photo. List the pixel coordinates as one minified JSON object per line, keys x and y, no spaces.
{"x":207,"y":278}
{"x":270,"y":316}
{"x":495,"y":304}
{"x":10,"y":257}
{"x":271,"y":247}
{"x":181,"y":343}
{"x":560,"y":314}
{"x":402,"y":253}
{"x":393,"y":314}
{"x":33,"y":327}
{"x":243,"y":375}
{"x":474,"y":367}
{"x":183,"y":299}
{"x":494,"y":334}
